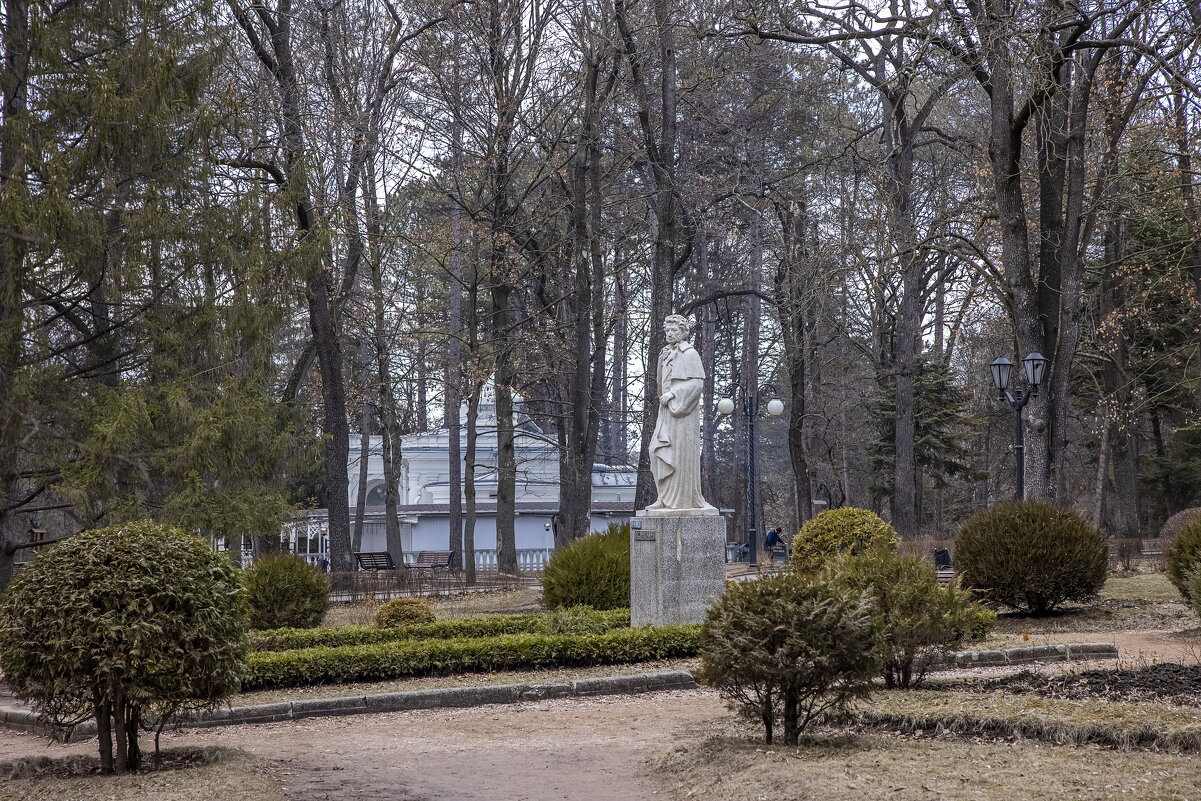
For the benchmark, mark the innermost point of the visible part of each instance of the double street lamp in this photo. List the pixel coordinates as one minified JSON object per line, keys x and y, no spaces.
{"x":751,"y":402}
{"x":1035,"y":367}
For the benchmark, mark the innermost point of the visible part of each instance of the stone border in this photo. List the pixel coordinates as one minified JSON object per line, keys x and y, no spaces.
{"x":1026,"y":656}
{"x":26,"y":720}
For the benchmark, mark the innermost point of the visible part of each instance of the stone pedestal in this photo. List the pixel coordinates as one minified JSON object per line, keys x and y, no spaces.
{"x":676,"y":565}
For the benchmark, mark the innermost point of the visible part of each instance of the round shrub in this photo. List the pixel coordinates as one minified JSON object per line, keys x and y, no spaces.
{"x":129,"y":625}
{"x":403,"y":612}
{"x":1183,"y":557}
{"x":285,"y":591}
{"x":921,"y":619}
{"x":1031,"y":556}
{"x":1176,"y":523}
{"x":836,"y":531}
{"x":791,"y":647}
{"x":592,"y":571}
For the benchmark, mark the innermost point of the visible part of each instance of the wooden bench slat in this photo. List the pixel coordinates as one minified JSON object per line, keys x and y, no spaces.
{"x":432,"y":560}
{"x":375,"y":560}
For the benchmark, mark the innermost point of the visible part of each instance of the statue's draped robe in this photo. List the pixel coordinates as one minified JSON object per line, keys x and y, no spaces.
{"x":676,"y":444}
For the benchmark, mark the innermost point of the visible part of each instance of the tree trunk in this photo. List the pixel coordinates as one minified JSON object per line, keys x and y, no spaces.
{"x":660,"y":153}
{"x":360,"y":502}
{"x":473,"y":411}
{"x":274,"y":51}
{"x":15,"y":88}
{"x":390,"y":442}
{"x":104,"y":730}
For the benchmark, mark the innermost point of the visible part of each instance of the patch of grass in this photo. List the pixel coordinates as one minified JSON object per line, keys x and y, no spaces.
{"x":1146,"y":587}
{"x":446,"y":607}
{"x":1108,"y":614}
{"x":187,"y":774}
{"x":1067,"y":722}
{"x":876,"y":766}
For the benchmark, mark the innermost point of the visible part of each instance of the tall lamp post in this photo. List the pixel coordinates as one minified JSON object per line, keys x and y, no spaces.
{"x":1035,"y":367}
{"x":750,"y":408}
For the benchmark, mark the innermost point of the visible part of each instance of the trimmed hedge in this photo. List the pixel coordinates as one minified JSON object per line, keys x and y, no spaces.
{"x":839,"y":531}
{"x":463,"y":628}
{"x":404,"y":612}
{"x":1031,"y":556}
{"x":397,"y":660}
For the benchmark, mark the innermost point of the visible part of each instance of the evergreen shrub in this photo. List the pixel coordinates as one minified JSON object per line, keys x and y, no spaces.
{"x":1174,"y":524}
{"x":1031,"y":556}
{"x":592,"y":571}
{"x":130,"y":625}
{"x":921,"y":619}
{"x":837,"y":531}
{"x":1194,"y":591}
{"x":575,"y":620}
{"x":403,"y":612}
{"x":285,"y":591}
{"x":407,"y":658}
{"x":1183,"y":557}
{"x":794,"y":648}
{"x":461,"y":628}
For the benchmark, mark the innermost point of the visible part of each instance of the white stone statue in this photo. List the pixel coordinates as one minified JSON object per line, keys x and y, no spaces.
{"x":675,"y":448}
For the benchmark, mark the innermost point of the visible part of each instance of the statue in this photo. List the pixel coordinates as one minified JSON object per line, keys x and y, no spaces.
{"x":675,"y":448}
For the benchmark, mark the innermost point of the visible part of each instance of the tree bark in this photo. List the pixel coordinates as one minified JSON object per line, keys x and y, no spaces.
{"x":660,"y":153}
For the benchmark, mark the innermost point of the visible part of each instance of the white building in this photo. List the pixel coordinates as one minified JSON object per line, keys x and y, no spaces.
{"x":424,"y":489}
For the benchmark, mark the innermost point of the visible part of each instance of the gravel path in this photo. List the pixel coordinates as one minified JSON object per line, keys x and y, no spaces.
{"x":595,"y":749}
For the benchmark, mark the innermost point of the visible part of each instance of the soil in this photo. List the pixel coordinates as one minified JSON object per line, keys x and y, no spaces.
{"x":593,"y":748}
{"x":206,"y":774}
{"x":1176,"y":684}
{"x":878,"y":766}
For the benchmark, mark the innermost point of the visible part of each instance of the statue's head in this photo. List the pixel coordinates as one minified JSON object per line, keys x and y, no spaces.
{"x":677,"y":327}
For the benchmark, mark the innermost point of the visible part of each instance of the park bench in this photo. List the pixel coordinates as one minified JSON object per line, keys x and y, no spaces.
{"x":942,"y":562}
{"x":374,"y":560}
{"x":435,"y":560}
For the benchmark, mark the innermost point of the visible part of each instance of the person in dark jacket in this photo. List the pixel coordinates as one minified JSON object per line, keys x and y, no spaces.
{"x":773,"y":539}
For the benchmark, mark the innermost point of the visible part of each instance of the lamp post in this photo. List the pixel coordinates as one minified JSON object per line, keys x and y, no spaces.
{"x":1035,"y":367}
{"x":750,"y":408}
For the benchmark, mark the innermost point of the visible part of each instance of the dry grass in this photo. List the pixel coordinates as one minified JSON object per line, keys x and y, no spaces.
{"x":1141,"y":587}
{"x":877,"y":766}
{"x":1067,"y":722}
{"x":208,"y":774}
{"x":560,"y":676}
{"x":466,"y":604}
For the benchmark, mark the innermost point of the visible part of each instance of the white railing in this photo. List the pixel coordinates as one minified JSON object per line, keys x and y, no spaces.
{"x":527,"y":558}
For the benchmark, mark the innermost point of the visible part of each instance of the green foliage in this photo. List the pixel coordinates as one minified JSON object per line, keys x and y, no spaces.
{"x":147,"y":303}
{"x":943,"y":424}
{"x":135,"y":622}
{"x":921,"y":619}
{"x":395,"y":660}
{"x":792,"y":647}
{"x":285,"y":591}
{"x":578,"y":620}
{"x":1183,"y":557}
{"x":403,"y":612}
{"x":837,"y":531}
{"x":1031,"y":556}
{"x":462,"y":628}
{"x":592,"y":571}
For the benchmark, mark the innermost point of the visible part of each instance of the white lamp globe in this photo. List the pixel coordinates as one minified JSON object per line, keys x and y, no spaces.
{"x":775,"y":407}
{"x":725,"y":406}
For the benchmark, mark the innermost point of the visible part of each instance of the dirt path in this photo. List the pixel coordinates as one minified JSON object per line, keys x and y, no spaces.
{"x":594,"y":749}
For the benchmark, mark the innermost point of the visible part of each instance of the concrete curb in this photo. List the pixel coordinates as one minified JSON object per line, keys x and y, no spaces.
{"x":1026,"y":656}
{"x":28,"y":721}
